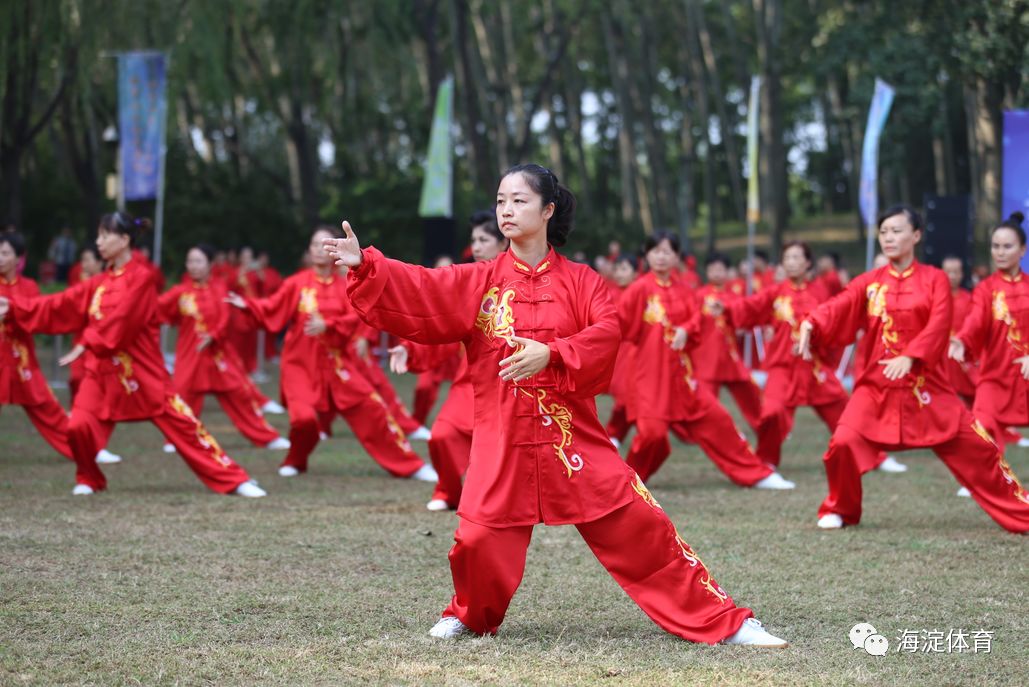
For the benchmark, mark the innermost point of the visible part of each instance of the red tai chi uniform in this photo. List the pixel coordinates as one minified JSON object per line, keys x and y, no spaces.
{"x":539,"y":452}
{"x":716,"y":357}
{"x":622,"y":382}
{"x":963,"y":376}
{"x":792,"y":381}
{"x":242,"y":334}
{"x":21,"y":381}
{"x":994,"y":332}
{"x":199,"y":309}
{"x":908,"y":313}
{"x":667,"y":391}
{"x":319,"y":374}
{"x":125,"y":376}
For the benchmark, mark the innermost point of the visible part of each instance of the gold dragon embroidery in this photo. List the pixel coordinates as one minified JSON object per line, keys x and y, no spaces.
{"x":1002,"y":313}
{"x":124,"y":361}
{"x":876,"y":294}
{"x":655,"y":313}
{"x":95,"y":303}
{"x":203,"y":437}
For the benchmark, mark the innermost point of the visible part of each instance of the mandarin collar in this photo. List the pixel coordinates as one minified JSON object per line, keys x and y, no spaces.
{"x":121,"y":270}
{"x":906,"y":273}
{"x":3,"y":280}
{"x":803,"y":285}
{"x":1011,"y":280}
{"x":323,"y":280}
{"x":546,"y":264}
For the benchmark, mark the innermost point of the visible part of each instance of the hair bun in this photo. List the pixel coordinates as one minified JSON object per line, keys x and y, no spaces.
{"x":1017,"y":217}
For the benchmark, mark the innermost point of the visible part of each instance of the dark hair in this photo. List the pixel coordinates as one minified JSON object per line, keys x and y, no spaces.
{"x":654,"y":240}
{"x":951,"y":256}
{"x":797,"y":244}
{"x":1014,"y":223}
{"x":91,"y":249}
{"x":909,"y":212}
{"x":544,"y":183}
{"x":126,"y":225}
{"x":763,"y":255}
{"x":626,"y":259}
{"x":331,"y":229}
{"x":712,"y":258}
{"x":832,"y":255}
{"x":487,"y":221}
{"x":15,"y":240}
{"x":207,"y":249}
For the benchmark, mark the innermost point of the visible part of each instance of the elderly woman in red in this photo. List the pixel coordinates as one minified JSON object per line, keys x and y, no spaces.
{"x":541,"y":336}
{"x":793,"y":381}
{"x":318,"y":372}
{"x":204,"y":364}
{"x":661,"y":319}
{"x":995,"y":332}
{"x":125,"y":375}
{"x":902,"y":399}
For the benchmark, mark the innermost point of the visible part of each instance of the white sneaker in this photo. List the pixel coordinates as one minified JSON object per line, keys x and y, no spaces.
{"x":891,"y":464}
{"x":426,"y":473}
{"x":616,"y":443}
{"x":322,"y":436}
{"x":420,"y":434}
{"x":752,"y":633}
{"x":1024,"y":442}
{"x":437,"y":505}
{"x":964,"y":493}
{"x":250,"y":490}
{"x":82,"y":490}
{"x":448,"y":628}
{"x":168,"y":448}
{"x":279,"y":444}
{"x":288,"y":471}
{"x":830,"y":521}
{"x":775,"y":481}
{"x":272,"y":407}
{"x":105,"y":457}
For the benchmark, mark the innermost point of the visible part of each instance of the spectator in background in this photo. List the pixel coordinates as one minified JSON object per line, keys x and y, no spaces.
{"x":62,"y":253}
{"x":12,"y":228}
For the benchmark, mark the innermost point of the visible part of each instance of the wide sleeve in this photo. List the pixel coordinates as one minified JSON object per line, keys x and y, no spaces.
{"x":630,"y":313}
{"x":424,"y":305}
{"x":753,"y":311}
{"x":930,"y":344}
{"x":837,"y":321}
{"x":585,"y":361}
{"x":168,"y":306}
{"x":974,"y":329}
{"x":276,"y":311}
{"x":119,"y":327}
{"x":59,"y":313}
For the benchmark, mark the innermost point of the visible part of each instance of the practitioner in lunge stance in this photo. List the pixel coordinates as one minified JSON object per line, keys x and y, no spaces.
{"x":541,"y":336}
{"x":902,"y":399}
{"x":125,"y":376}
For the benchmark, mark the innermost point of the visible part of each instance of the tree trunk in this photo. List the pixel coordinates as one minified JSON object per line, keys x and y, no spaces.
{"x":623,"y":105}
{"x":983,"y":106}
{"x":772,"y":164}
{"x":690,"y":57}
{"x":478,"y":147}
{"x":849,"y":146}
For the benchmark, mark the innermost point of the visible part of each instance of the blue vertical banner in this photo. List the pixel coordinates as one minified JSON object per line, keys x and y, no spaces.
{"x":438,"y":186}
{"x":1015,"y":167}
{"x":877,"y":113}
{"x":142,"y":107}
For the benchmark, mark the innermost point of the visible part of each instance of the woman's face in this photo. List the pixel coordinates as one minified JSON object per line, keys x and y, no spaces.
{"x":717,"y":273}
{"x":662,"y":257}
{"x":8,"y":259}
{"x":110,"y":244}
{"x":89,"y":264}
{"x":197,"y":265}
{"x":897,"y":238}
{"x":795,"y":262}
{"x":520,"y":210}
{"x":1006,"y":249}
{"x":623,"y":273}
{"x":485,"y":246}
{"x":316,"y":249}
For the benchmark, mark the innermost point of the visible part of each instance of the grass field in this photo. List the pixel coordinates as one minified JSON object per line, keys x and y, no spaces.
{"x":336,"y":577}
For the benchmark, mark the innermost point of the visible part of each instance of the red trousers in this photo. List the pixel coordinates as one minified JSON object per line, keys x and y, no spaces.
{"x":426,"y":391}
{"x":51,"y":422}
{"x":450,"y":450}
{"x":971,"y":456}
{"x":244,"y":342}
{"x":637,"y":544}
{"x":747,"y":395}
{"x":87,"y":434}
{"x":713,"y":431}
{"x":777,"y":423}
{"x":369,"y":420}
{"x":244,"y":411}
{"x":618,"y":425}
{"x":380,"y":382}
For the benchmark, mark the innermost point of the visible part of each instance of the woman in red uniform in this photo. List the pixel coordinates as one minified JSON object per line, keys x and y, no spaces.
{"x":962,"y":374}
{"x":659,"y":317}
{"x":623,"y":379}
{"x":793,"y":381}
{"x":902,"y":399}
{"x":318,"y":372}
{"x":716,"y":357}
{"x":541,"y":336}
{"x":450,"y":446}
{"x":204,"y":364}
{"x":995,"y":332}
{"x":125,"y":375}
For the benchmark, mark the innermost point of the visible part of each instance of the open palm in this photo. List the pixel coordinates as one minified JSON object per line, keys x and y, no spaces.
{"x":346,"y":251}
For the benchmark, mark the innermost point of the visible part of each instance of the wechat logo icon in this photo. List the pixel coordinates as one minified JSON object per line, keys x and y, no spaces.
{"x":864,"y":636}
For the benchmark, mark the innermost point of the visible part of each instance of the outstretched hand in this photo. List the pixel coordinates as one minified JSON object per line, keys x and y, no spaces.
{"x":398,"y":359}
{"x":1023,"y":362}
{"x":895,"y":368}
{"x":803,"y":347}
{"x":679,"y":339}
{"x":236,"y":300}
{"x":956,"y":351}
{"x":5,"y":306}
{"x":531,"y":358}
{"x":71,"y":356}
{"x":345,"y":251}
